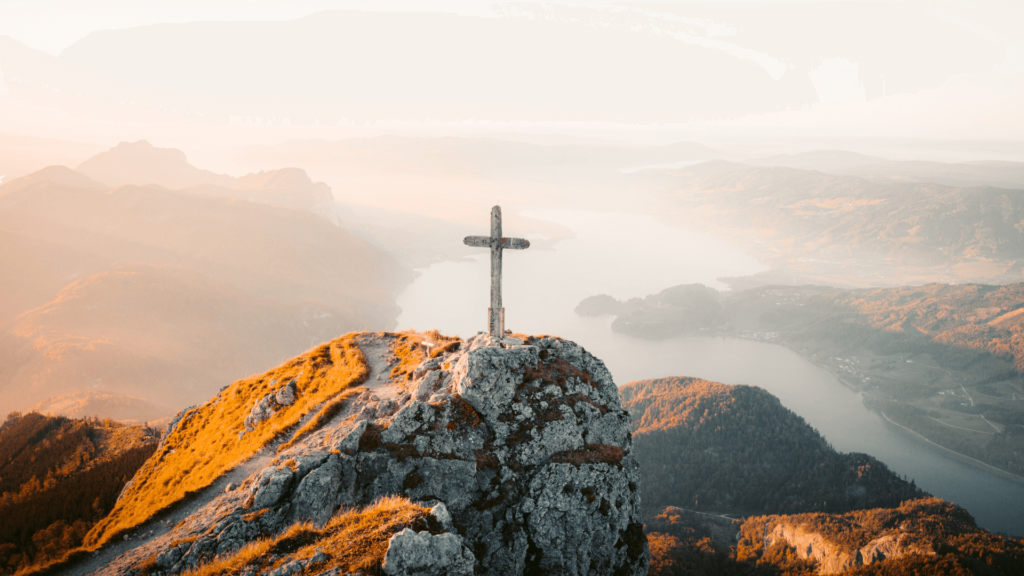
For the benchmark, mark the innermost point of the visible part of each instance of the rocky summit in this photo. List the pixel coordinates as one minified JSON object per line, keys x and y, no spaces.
{"x":518,"y":448}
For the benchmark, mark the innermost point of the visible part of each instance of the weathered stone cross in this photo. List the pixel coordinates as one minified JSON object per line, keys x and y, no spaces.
{"x":496,"y":314}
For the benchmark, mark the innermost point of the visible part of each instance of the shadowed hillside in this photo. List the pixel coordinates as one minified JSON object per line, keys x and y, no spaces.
{"x":735,"y":449}
{"x":58,"y":477}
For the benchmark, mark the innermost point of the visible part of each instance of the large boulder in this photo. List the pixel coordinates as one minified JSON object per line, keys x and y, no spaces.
{"x":522,"y":445}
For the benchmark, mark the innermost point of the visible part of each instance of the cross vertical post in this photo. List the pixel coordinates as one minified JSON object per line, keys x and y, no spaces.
{"x":496,"y":313}
{"x":497,"y":243}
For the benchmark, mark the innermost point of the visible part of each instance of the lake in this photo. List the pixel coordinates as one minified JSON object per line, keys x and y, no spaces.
{"x":626,"y":256}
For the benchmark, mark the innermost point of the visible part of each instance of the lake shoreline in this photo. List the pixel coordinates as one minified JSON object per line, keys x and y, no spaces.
{"x":841,"y":378}
{"x":956,"y":455}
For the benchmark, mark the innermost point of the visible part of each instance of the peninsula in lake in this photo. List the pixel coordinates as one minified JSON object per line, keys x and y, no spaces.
{"x":942,"y":361}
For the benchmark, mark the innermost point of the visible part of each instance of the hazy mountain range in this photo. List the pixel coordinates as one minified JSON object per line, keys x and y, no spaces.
{"x":850,"y":230}
{"x":164,"y":295}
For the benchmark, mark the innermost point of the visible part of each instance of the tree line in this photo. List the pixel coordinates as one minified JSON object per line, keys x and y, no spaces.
{"x":56,"y":483}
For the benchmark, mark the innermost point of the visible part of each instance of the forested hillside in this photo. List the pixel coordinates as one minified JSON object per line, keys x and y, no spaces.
{"x":707,"y":446}
{"x":58,"y":477}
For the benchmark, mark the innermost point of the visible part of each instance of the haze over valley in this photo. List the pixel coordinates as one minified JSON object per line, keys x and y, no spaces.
{"x":770,"y":319}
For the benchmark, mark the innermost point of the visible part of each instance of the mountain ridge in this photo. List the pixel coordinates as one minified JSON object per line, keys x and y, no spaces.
{"x":313,"y":277}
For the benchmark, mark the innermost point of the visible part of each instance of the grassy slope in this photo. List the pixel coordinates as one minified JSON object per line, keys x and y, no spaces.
{"x":205,"y":443}
{"x":353,"y":541}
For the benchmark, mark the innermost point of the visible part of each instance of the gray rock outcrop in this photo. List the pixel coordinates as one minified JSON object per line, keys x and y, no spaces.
{"x":522,"y":449}
{"x":424,"y":554}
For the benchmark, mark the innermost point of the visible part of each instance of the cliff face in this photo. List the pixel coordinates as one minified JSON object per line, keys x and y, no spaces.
{"x":927,"y":532}
{"x":832,"y":557}
{"x":520,"y":447}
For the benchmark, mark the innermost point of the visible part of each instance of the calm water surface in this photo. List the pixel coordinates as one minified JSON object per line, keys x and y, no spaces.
{"x":630,"y":256}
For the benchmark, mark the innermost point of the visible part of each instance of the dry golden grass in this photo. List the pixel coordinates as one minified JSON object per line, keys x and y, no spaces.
{"x":442,"y":343}
{"x":329,"y":410}
{"x":409,"y":348}
{"x":206,"y":443}
{"x":354,"y":540}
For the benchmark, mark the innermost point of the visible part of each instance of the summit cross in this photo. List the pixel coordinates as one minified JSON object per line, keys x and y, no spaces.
{"x":496,"y":314}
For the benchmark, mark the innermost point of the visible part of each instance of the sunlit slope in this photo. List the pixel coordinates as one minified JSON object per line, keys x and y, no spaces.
{"x":708,"y":446}
{"x":164,"y":334}
{"x":212,"y":439}
{"x":923,"y":536}
{"x":956,"y":323}
{"x":267,"y":251}
{"x":35,"y":270}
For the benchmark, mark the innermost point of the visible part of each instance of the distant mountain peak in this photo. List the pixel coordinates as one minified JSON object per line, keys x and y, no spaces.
{"x":59,"y":175}
{"x":140,"y":163}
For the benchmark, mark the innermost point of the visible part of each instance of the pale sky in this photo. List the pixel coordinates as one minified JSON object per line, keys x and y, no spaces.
{"x":937,"y":69}
{"x":52,"y":25}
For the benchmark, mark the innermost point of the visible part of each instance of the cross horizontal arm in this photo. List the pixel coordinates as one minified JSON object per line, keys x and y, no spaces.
{"x":515,"y":243}
{"x":478,"y":241}
{"x":485,"y":242}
